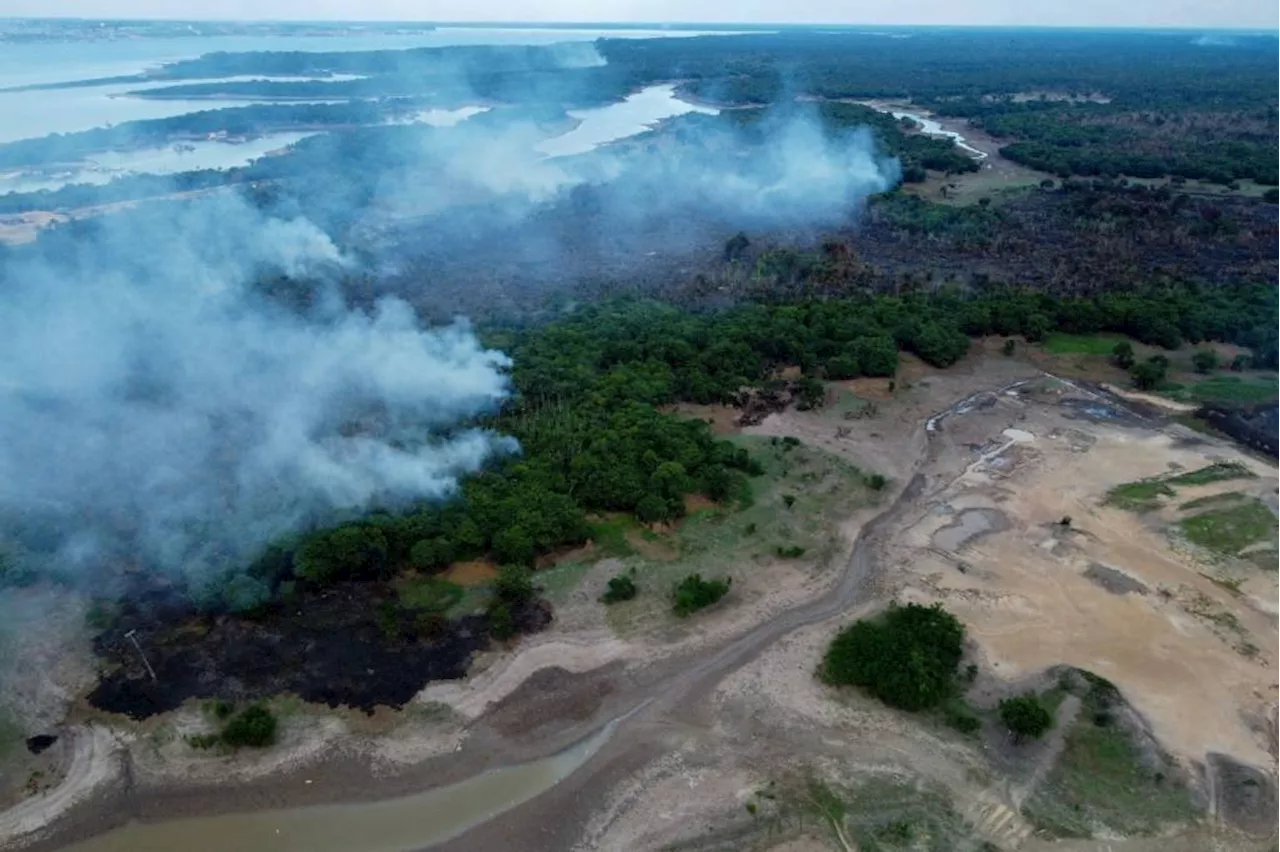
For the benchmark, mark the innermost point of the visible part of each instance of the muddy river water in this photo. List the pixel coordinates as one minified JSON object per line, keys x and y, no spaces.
{"x":393,"y":825}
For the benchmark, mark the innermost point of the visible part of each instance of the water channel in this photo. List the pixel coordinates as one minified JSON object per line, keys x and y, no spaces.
{"x":392,"y":825}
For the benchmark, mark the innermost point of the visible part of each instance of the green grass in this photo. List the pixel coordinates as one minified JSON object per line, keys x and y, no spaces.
{"x":10,"y":736}
{"x":1212,"y":500}
{"x":1139,"y":496}
{"x":734,"y":540}
{"x":610,"y":535}
{"x":1226,"y":388}
{"x":1264,"y":559}
{"x":1217,"y":472}
{"x":430,"y":594}
{"x":1232,"y":529}
{"x":1144,"y":495}
{"x":1100,"y":781}
{"x":1081,"y":344}
{"x":561,"y":581}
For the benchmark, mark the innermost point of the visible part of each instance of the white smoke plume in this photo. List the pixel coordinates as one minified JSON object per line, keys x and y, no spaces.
{"x":156,"y":408}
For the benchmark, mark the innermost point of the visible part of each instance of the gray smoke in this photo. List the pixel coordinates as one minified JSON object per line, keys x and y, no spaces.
{"x":157,"y":408}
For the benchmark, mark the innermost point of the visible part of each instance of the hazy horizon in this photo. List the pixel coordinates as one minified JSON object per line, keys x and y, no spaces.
{"x":1149,"y":14}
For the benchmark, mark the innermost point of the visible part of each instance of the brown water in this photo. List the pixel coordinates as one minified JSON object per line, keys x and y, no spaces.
{"x":393,"y":825}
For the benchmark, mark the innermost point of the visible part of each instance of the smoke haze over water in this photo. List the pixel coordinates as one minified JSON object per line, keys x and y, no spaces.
{"x":155,"y":408}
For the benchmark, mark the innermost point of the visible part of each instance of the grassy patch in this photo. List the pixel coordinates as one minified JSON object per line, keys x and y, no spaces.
{"x":429,"y":594}
{"x":10,"y":736}
{"x":1226,"y":389}
{"x":878,"y":813}
{"x":1081,"y":344}
{"x":1139,"y":496}
{"x":1144,"y":495}
{"x":1231,"y":529}
{"x":1267,"y":560}
{"x":1217,"y":472}
{"x":610,"y":534}
{"x":1102,"y":781}
{"x":561,"y":581}
{"x":734,"y":540}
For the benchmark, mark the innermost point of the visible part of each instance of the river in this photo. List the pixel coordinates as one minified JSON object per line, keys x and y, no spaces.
{"x":631,"y":116}
{"x":392,"y":825}
{"x":931,"y":127}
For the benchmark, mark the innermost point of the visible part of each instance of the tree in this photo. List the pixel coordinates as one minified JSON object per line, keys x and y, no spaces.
{"x":621,"y":588}
{"x":1036,"y":327}
{"x":1025,"y":716}
{"x":514,"y":545}
{"x":1150,"y":373}
{"x":1122,"y":355}
{"x":514,"y":585}
{"x":907,"y":658}
{"x":694,"y":593}
{"x":1008,"y":347}
{"x":254,"y":726}
{"x":1205,"y":360}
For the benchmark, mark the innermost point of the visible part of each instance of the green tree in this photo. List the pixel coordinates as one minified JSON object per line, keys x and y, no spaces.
{"x":621,"y":588}
{"x":1149,"y":374}
{"x":1205,"y":360}
{"x":694,"y":593}
{"x":514,"y":585}
{"x":514,"y":545}
{"x":907,"y":658}
{"x":1025,"y":716}
{"x":254,"y":726}
{"x":1122,"y":355}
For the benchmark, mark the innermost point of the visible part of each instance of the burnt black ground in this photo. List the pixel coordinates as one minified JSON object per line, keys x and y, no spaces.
{"x":333,"y":647}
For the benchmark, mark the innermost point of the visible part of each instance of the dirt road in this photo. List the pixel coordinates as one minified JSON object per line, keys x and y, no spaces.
{"x":674,"y":701}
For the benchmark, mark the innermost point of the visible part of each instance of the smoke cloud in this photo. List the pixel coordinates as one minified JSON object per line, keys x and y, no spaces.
{"x":157,"y":408}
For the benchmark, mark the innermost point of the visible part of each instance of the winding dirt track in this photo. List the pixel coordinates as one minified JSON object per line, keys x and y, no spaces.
{"x":664,"y":702}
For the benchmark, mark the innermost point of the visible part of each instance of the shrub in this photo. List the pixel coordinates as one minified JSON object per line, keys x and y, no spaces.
{"x":792,"y":552}
{"x":877,"y":482}
{"x":514,"y":584}
{"x":1025,"y":716}
{"x":907,"y":658}
{"x":254,"y":726}
{"x":1009,"y":346}
{"x":960,"y":716}
{"x":203,"y":741}
{"x":1205,"y":361}
{"x":1122,"y":355}
{"x":501,"y":624}
{"x":694,"y":593}
{"x":789,"y":500}
{"x":1150,"y":373}
{"x":621,"y":588}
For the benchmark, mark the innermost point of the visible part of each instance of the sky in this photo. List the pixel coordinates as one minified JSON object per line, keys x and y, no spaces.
{"x":1204,"y":14}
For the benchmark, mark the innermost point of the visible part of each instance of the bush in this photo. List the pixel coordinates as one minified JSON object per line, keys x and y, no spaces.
{"x":792,"y":552}
{"x":1122,"y":355}
{"x":1009,"y":346}
{"x":502,"y":625}
{"x":960,"y":716}
{"x":514,"y":584}
{"x":1150,"y":373}
{"x":1025,"y":716}
{"x":1205,"y":361}
{"x":621,"y":588}
{"x":907,"y":658}
{"x":877,"y":482}
{"x":694,"y":593}
{"x":254,"y":726}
